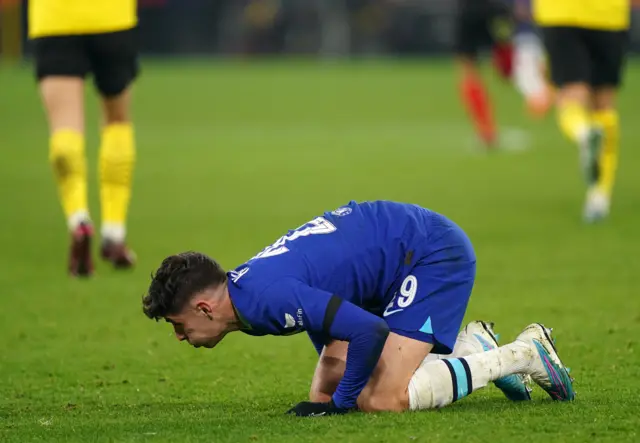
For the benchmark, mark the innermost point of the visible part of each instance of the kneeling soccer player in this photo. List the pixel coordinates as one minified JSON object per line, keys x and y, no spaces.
{"x":381,"y":288}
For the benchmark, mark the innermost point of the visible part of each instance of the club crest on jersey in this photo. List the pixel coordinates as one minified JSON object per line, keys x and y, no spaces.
{"x":290,"y":324}
{"x":341,"y":212}
{"x":289,"y":321}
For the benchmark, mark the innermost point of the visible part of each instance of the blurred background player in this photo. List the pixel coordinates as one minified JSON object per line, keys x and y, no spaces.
{"x":586,"y":41}
{"x":480,"y":23}
{"x":74,"y":38}
{"x":529,"y":62}
{"x":517,"y":54}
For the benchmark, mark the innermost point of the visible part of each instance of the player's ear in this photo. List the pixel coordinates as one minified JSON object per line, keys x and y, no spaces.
{"x":205,"y":308}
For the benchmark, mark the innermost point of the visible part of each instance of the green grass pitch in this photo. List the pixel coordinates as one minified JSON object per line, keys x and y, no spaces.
{"x":230,"y":156}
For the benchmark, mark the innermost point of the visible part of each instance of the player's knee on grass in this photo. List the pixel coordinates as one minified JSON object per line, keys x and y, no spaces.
{"x":372,"y":401}
{"x":387,"y":389}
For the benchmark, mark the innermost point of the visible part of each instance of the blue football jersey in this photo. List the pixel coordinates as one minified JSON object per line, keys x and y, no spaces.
{"x":360,"y":252}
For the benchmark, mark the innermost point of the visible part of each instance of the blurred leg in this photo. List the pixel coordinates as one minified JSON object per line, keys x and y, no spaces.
{"x":60,"y":68}
{"x":63,"y":102}
{"x":529,"y":75}
{"x":471,"y":33}
{"x":608,"y":51}
{"x":572,"y":71}
{"x":117,"y":159}
{"x":115,"y":64}
{"x":605,"y":115}
{"x":476,"y":99}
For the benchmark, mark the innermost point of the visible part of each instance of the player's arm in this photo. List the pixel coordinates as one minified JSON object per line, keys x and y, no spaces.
{"x":329,"y":315}
{"x":366,"y":334}
{"x":318,"y":340}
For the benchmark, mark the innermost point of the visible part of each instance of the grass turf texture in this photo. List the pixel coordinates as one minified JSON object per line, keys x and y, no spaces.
{"x":231,"y":156}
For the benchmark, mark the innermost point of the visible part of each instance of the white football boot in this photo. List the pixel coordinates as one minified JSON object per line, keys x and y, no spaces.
{"x":480,"y":336}
{"x":596,"y":205}
{"x":545,"y":367}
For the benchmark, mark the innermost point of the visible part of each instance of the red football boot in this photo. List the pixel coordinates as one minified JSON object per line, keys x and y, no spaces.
{"x":80,"y":261}
{"x":120,"y":256}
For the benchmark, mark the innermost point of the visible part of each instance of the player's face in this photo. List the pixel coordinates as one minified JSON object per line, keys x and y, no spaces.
{"x":198,"y":326}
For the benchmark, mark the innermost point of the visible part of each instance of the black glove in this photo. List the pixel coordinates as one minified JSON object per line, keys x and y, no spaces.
{"x":310,"y":409}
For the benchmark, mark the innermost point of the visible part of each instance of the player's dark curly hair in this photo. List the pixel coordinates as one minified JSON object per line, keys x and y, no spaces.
{"x":178,"y":278}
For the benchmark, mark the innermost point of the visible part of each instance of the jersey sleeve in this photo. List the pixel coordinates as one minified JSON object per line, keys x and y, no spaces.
{"x":318,"y":340}
{"x":328,"y":315}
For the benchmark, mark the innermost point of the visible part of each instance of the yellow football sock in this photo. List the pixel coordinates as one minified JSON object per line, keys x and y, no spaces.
{"x":67,"y":157}
{"x":117,"y":158}
{"x":608,"y":120}
{"x":573,"y":119}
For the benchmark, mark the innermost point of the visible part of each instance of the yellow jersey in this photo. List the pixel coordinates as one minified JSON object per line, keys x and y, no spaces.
{"x":609,"y":15}
{"x":70,"y":17}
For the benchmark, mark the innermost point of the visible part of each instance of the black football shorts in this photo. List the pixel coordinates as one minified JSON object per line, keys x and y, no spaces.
{"x":479,"y":24}
{"x":112,"y":58}
{"x":581,"y":55}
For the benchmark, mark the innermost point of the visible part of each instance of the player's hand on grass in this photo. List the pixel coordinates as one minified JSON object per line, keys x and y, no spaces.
{"x":311,"y":409}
